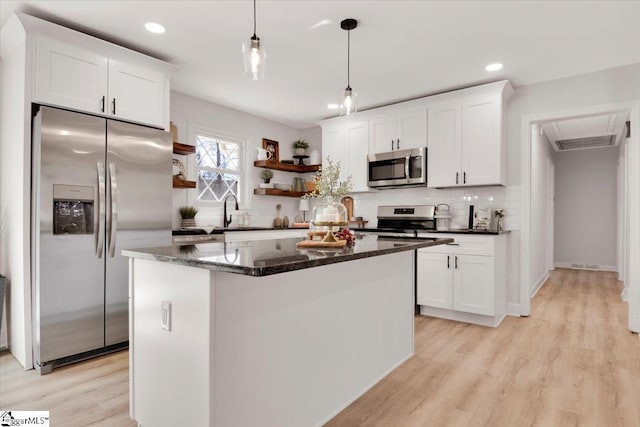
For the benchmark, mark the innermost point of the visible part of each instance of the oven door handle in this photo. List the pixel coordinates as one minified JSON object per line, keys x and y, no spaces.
{"x":407,"y":158}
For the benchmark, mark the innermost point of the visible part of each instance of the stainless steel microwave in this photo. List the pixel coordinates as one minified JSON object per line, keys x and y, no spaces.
{"x":398,"y":168}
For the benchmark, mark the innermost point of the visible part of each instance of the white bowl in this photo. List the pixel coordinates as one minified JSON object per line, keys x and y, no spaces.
{"x":283,"y":187}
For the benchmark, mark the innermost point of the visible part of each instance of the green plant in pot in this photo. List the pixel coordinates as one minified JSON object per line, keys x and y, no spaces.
{"x":300,"y":147}
{"x":188,"y":215}
{"x":266,"y":175}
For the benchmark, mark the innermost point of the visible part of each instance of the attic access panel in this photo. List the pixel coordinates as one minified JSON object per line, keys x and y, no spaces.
{"x":584,"y":143}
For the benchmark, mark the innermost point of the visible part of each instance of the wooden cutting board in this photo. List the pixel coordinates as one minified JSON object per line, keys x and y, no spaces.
{"x":347,"y":201}
{"x":321,"y":244}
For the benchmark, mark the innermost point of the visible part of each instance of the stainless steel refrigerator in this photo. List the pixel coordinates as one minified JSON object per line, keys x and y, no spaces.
{"x":98,"y":186}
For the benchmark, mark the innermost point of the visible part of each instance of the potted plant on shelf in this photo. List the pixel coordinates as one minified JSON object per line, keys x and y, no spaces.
{"x":188,"y":215}
{"x":300,"y":147}
{"x":266,"y":175}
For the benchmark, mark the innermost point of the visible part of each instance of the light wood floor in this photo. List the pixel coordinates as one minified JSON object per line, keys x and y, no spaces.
{"x":573,"y":362}
{"x":90,"y":393}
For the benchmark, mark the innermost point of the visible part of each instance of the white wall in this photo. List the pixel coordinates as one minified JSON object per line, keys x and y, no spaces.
{"x":541,"y":156}
{"x":586,"y":193}
{"x":188,"y":112}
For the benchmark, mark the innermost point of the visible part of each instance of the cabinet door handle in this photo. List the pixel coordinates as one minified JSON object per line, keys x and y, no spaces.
{"x":392,"y":145}
{"x":457,"y":177}
{"x":113,"y":107}
{"x":464,"y":177}
{"x":456,"y":261}
{"x":398,"y":144}
{"x":102,"y":107}
{"x":448,"y":263}
{"x":453,"y":244}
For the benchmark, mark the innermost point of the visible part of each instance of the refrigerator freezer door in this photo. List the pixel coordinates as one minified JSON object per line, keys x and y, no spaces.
{"x":68,"y":150}
{"x":138,"y":209}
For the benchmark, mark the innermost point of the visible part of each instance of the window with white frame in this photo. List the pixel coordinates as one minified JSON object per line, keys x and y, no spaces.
{"x":218,"y":162}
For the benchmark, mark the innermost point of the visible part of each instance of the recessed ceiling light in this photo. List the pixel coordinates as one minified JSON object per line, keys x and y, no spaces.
{"x":154,"y":27}
{"x":333,"y":106}
{"x":494,"y":67}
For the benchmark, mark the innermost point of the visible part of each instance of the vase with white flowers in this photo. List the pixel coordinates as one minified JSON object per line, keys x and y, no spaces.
{"x":329,"y":214}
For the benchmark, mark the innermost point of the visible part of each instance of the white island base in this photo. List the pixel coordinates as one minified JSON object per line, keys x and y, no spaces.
{"x":289,"y":349}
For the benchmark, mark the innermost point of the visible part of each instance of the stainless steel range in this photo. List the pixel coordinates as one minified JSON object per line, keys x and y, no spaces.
{"x":404,"y":221}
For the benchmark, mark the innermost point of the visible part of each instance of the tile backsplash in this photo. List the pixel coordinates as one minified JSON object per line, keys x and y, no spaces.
{"x":459,"y":199}
{"x":263,"y":210}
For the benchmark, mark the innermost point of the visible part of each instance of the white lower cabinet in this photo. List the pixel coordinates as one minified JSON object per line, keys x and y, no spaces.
{"x":465,"y":280}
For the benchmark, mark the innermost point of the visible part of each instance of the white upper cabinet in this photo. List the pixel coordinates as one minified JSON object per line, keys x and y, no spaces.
{"x":80,"y":79}
{"x":348,"y":143}
{"x":357,"y":142}
{"x":400,"y":130}
{"x":445,"y":141}
{"x":333,"y":147}
{"x":466,"y":138}
{"x":383,"y":134}
{"x":463,"y":131}
{"x":70,"y":77}
{"x":482,"y":141}
{"x":136,"y":93}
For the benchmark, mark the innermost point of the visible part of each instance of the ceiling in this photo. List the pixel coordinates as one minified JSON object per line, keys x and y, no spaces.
{"x":400,"y":50}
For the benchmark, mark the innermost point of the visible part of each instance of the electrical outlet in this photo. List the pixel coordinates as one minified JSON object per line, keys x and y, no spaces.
{"x":165,"y":315}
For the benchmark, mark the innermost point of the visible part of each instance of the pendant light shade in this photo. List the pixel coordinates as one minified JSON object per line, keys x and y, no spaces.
{"x":348,"y":105}
{"x":254,"y":54}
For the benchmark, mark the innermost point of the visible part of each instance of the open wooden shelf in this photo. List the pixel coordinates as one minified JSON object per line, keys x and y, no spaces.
{"x":182,"y":183}
{"x":183,"y":149}
{"x":285,"y":166}
{"x":274,"y":192}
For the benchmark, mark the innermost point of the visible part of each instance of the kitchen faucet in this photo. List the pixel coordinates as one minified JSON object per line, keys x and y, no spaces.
{"x":225,"y":221}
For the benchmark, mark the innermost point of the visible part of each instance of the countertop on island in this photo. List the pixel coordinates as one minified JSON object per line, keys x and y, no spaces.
{"x":267,"y":257}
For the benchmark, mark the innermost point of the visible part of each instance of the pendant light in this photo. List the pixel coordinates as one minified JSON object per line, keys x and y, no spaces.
{"x":348,"y":105}
{"x":254,"y":54}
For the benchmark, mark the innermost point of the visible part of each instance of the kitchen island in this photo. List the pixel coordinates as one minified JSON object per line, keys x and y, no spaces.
{"x":261,"y":333}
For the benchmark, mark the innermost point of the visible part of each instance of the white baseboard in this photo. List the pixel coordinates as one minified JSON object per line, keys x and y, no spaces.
{"x":513,"y":309}
{"x":624,"y":296}
{"x":600,"y":267}
{"x":539,"y":284}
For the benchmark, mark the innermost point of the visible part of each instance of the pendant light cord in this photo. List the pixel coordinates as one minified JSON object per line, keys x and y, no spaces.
{"x":348,"y":57}
{"x":254,"y":18}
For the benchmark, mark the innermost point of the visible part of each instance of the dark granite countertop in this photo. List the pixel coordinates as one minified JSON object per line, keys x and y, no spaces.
{"x":266,"y":257}
{"x":221,"y":230}
{"x":456,"y":231}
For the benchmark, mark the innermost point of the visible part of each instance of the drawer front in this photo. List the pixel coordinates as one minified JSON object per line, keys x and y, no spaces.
{"x":463,"y":244}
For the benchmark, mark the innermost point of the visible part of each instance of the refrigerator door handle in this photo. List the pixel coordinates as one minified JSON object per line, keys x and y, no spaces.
{"x":101,"y":211}
{"x":113,"y":196}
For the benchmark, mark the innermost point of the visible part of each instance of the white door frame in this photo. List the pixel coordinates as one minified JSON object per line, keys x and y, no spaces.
{"x":634,"y":202}
{"x":551,"y":214}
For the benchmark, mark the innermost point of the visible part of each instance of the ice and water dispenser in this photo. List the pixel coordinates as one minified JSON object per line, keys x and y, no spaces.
{"x":72,"y":209}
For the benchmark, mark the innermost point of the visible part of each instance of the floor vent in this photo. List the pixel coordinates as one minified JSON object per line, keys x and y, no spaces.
{"x":586,"y":266}
{"x":583,"y":143}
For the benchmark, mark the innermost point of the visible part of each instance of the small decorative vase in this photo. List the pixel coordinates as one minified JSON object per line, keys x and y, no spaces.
{"x":500,"y":226}
{"x":187,"y":222}
{"x":329,"y":216}
{"x":301,"y":151}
